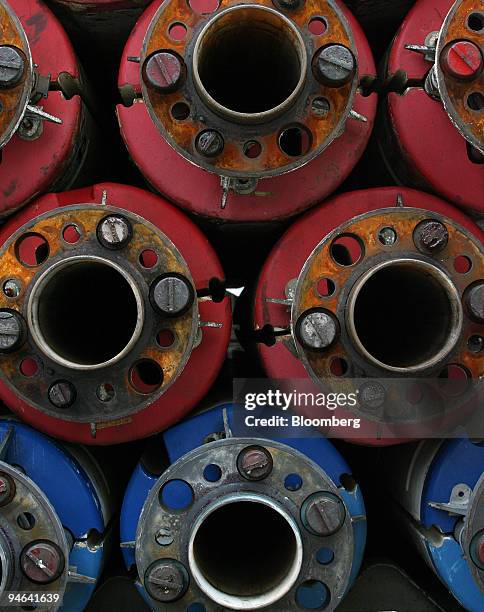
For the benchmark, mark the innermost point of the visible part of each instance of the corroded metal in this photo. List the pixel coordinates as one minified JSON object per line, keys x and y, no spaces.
{"x":463,"y":99}
{"x":374,"y":252}
{"x":186,"y":108}
{"x":104,"y":390}
{"x":14,"y":99}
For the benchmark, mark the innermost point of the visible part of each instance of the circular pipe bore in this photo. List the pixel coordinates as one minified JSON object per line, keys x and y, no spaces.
{"x":405,"y":315}
{"x":85,"y":312}
{"x":245,"y":551}
{"x":249,"y":64}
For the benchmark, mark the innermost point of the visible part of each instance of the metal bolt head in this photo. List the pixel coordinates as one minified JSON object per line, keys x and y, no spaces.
{"x":255,"y":463}
{"x":11,"y":330}
{"x":163,"y":71}
{"x":317,"y":330}
{"x":474,"y":301}
{"x":372,"y":395}
{"x":62,"y":394}
{"x":114,"y":232}
{"x":479,"y":548}
{"x":164,"y":536}
{"x":387,"y":236}
{"x":289,"y":5}
{"x":11,"y":288}
{"x":323,"y":514}
{"x":210,"y":143}
{"x":11,"y":66}
{"x":462,"y":60}
{"x":172,"y":295}
{"x":320,"y":107}
{"x":430,"y":236}
{"x":334,"y":65}
{"x":166,"y":580}
{"x":7,"y":489}
{"x":42,"y":561}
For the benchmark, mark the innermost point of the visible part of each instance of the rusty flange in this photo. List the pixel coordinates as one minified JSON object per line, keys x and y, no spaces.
{"x":398,"y":285}
{"x":72,"y":269}
{"x":16,"y":73}
{"x":203,"y":74}
{"x":460,"y":69}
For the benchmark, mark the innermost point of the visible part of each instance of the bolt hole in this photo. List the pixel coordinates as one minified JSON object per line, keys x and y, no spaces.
{"x":212,"y":473}
{"x":31,"y":249}
{"x":71,"y":234}
{"x":324,"y":556}
{"x":462,"y":264}
{"x":325,"y":287}
{"x":29,"y":367}
{"x":293,"y":482}
{"x":252,"y":149}
{"x":317,"y":26}
{"x":196,"y":607}
{"x":475,"y":22}
{"x":148,"y":258}
{"x":475,"y":344}
{"x":165,"y":338}
{"x":312,"y":595}
{"x":180,"y":111}
{"x":475,"y":101}
{"x":346,"y":250}
{"x":338,"y":366}
{"x":455,"y":379}
{"x":26,"y":521}
{"x":295,"y":141}
{"x":146,"y":376}
{"x":105,"y":392}
{"x":176,"y":495}
{"x":177,"y":31}
{"x":204,"y":7}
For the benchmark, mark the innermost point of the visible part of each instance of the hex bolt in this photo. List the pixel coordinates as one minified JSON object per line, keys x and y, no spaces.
{"x":334,"y":65}
{"x":372,"y":395}
{"x":210,"y":143}
{"x":474,"y":301}
{"x":11,"y":66}
{"x":114,"y":232}
{"x":166,"y":580}
{"x":163,"y":71}
{"x":462,"y":60}
{"x":255,"y":463}
{"x":430,"y":236}
{"x":11,"y":330}
{"x":172,"y":295}
{"x":7,"y":489}
{"x":317,"y":330}
{"x":62,"y":394}
{"x":323,"y":514}
{"x":42,"y":561}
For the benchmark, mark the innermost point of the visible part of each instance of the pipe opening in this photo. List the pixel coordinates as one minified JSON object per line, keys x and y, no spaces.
{"x":86,"y":312}
{"x":247,"y":549}
{"x":406,"y":314}
{"x":250,"y":60}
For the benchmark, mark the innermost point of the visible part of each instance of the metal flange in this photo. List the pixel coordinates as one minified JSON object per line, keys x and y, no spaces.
{"x":214,"y":490}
